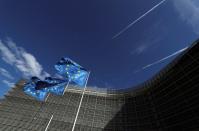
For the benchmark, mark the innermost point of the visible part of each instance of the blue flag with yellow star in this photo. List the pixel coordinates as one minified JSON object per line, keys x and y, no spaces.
{"x":72,"y":71}
{"x":40,"y":88}
{"x":30,"y":89}
{"x":56,"y":86}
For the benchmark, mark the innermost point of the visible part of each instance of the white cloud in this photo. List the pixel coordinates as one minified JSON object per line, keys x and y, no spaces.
{"x":140,"y":49}
{"x":188,"y":10}
{"x":6,"y":54}
{"x":23,"y":61}
{"x":5,"y":73}
{"x":150,"y":40}
{"x":144,"y":45}
{"x":8,"y":83}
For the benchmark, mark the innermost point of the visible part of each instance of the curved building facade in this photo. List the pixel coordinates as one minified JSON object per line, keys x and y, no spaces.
{"x":167,"y":102}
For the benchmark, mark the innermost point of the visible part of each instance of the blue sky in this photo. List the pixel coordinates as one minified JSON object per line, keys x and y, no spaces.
{"x":35,"y":34}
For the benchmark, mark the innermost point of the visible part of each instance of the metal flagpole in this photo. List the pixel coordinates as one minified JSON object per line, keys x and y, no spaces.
{"x":52,"y":114}
{"x":47,"y":97}
{"x":66,"y":87}
{"x":49,"y":123}
{"x":80,"y":103}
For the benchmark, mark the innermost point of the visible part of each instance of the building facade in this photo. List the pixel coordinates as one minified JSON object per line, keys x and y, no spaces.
{"x":167,"y":102}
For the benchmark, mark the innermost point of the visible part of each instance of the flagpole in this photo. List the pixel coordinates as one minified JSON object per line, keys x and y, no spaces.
{"x":49,"y":123}
{"x":53,"y":113}
{"x":66,"y":87}
{"x":80,"y":103}
{"x":47,"y":97}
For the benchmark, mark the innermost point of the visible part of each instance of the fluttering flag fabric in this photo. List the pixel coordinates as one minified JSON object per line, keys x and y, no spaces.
{"x":72,"y":71}
{"x":30,"y":89}
{"x":39,"y":89}
{"x":57,"y":86}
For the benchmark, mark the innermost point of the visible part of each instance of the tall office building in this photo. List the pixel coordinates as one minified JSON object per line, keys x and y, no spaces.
{"x":168,"y":101}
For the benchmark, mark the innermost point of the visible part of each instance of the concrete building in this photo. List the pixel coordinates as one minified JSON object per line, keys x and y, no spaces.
{"x":167,"y":102}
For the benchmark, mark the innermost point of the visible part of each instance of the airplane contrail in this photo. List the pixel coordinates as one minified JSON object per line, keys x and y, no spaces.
{"x":165,"y":58}
{"x":138,"y":19}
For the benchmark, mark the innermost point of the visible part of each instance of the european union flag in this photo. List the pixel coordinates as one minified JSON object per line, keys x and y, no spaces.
{"x":39,"y":89}
{"x":57,"y":86}
{"x":72,"y":71}
{"x":29,"y":88}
